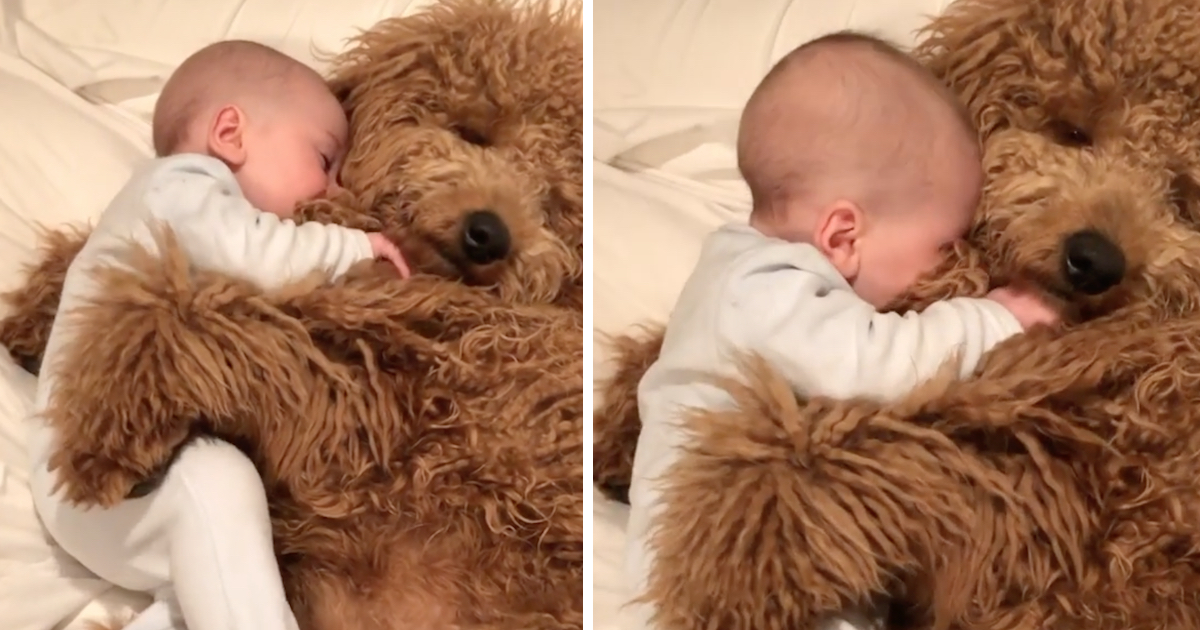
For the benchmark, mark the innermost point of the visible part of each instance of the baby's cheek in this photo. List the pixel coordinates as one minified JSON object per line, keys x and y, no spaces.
{"x":314,"y":185}
{"x":935,"y":258}
{"x":919,"y":264}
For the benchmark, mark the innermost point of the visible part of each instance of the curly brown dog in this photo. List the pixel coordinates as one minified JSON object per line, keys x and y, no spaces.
{"x":421,"y":439}
{"x":1056,"y":488}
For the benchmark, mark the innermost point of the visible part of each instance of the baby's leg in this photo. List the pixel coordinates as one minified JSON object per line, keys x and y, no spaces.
{"x":204,"y":534}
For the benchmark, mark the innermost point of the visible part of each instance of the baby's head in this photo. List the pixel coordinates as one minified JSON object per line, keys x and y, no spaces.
{"x":852,"y":146}
{"x":270,"y":118}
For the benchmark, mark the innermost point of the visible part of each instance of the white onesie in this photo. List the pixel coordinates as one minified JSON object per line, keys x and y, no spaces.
{"x":786,"y":302}
{"x":203,"y":537}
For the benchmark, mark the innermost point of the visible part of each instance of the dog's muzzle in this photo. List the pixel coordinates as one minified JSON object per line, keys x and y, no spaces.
{"x":485,"y":238}
{"x":1091,"y":262}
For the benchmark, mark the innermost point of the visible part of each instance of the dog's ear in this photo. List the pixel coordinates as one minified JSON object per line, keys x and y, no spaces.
{"x":971,"y":47}
{"x":384,"y":56}
{"x":969,"y":33}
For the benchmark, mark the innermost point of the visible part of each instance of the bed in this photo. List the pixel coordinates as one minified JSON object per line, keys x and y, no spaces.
{"x":78,"y":80}
{"x":670,"y":77}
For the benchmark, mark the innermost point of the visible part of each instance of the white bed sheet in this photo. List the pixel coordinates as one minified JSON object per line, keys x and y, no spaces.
{"x":60,"y":158}
{"x":670,"y":79}
{"x":78,"y":79}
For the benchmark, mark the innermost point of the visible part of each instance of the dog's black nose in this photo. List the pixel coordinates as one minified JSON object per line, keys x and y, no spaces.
{"x":1092,"y":263}
{"x":485,"y":238}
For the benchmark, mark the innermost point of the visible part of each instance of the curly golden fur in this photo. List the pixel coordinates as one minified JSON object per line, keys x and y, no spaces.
{"x":421,"y":439}
{"x":1058,"y":486}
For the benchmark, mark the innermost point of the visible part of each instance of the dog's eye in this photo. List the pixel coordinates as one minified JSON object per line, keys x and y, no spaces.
{"x":1068,"y":135}
{"x":471,"y":136}
{"x":1184,"y":192}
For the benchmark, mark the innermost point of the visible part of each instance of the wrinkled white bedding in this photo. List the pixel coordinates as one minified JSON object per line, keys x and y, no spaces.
{"x":670,"y":79}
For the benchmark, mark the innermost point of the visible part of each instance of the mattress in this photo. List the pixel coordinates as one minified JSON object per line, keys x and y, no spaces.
{"x":78,"y":80}
{"x":670,"y":77}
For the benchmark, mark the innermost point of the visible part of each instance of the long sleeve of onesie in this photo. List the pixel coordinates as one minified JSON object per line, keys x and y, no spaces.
{"x":220,"y":230}
{"x":808,"y":324}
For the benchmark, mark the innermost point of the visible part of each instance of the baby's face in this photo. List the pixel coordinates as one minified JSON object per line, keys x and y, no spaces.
{"x":294,"y":156}
{"x":909,"y":244}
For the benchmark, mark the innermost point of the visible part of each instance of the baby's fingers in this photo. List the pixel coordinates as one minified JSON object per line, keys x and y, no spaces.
{"x":401,"y":264}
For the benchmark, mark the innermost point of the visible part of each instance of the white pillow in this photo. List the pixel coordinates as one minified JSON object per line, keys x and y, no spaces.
{"x":61,"y":161}
{"x":647,"y":233}
{"x":120,"y":51}
{"x":671,"y":76}
{"x":105,"y":32}
{"x":704,"y":54}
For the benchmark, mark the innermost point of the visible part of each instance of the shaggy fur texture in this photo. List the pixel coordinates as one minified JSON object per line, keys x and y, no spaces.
{"x":421,"y":440}
{"x":1058,"y":487}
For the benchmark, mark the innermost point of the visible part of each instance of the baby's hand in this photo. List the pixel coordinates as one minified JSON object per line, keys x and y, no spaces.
{"x":384,"y":248}
{"x":1029,"y":307}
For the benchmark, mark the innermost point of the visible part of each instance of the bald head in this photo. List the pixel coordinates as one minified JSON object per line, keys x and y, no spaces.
{"x":234,"y":71}
{"x":849,"y":116}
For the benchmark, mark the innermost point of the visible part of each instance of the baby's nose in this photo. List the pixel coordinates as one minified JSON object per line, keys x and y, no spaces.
{"x":334,"y":189}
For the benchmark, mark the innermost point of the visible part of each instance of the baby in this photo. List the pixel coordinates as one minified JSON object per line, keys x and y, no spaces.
{"x":862,"y":167}
{"x":243,"y":133}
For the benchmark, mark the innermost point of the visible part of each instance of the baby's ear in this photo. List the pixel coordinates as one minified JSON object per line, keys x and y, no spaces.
{"x":226,"y":136}
{"x":837,"y":234}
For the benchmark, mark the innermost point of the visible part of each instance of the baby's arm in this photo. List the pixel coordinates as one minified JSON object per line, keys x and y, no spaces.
{"x":825,"y":339}
{"x":220,"y":230}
